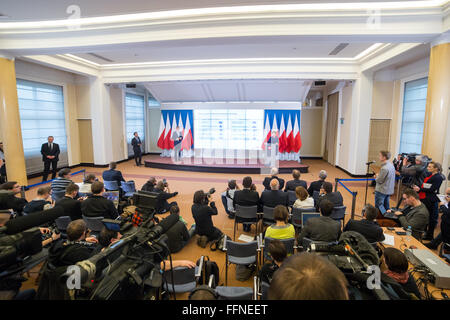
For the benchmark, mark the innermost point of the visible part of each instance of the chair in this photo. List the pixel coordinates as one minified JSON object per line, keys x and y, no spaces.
{"x":315,"y":196}
{"x":62,"y":223}
{"x":128,"y":188}
{"x":240,"y":254}
{"x":445,"y":246}
{"x":296,"y":216}
{"x":268,"y":216}
{"x":58,"y":195}
{"x":288,"y":243}
{"x":111,"y":185}
{"x":246,"y":215}
{"x":264,"y":290}
{"x":94,"y":224}
{"x":338,"y":214}
{"x":184,"y":279}
{"x":308,"y":215}
{"x":292,"y":197}
{"x":307,"y":242}
{"x":234,"y":293}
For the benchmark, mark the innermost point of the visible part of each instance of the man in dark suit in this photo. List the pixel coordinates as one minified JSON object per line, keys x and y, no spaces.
{"x":247,"y":197}
{"x":267,"y":180}
{"x":321,"y":228}
{"x":72,"y":207}
{"x":112,"y":174}
{"x":317,"y":185}
{"x":368,"y":227}
{"x":50,"y":156}
{"x":273,"y":197}
{"x":292,"y":184}
{"x":327,"y":193}
{"x":136,"y":143}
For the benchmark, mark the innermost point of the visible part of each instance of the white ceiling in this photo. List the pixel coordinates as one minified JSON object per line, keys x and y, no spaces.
{"x":26,"y":10}
{"x":229,"y":90}
{"x":235,"y":48}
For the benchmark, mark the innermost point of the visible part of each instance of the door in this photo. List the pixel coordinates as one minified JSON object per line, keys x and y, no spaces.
{"x":331,"y":133}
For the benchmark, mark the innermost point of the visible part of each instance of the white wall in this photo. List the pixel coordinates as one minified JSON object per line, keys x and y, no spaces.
{"x":345,"y":127}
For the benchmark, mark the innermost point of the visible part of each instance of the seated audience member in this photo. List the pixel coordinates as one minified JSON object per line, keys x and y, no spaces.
{"x":326,"y":193}
{"x":267,"y":180}
{"x":291,"y":185}
{"x":281,"y":229}
{"x":112,"y":174}
{"x":304,"y":201}
{"x":178,"y":235}
{"x":277,"y":250}
{"x":72,"y":207}
{"x":149,"y":186}
{"x":98,"y":206}
{"x":414,"y":214}
{"x":203,"y":292}
{"x":106,"y":238}
{"x":85,"y":187}
{"x":62,"y":181}
{"x":317,"y":185}
{"x":248,"y":196}
{"x":12,"y":200}
{"x":162,"y":205}
{"x":40,"y":203}
{"x":397,"y":266}
{"x":64,"y":253}
{"x":272,"y":198}
{"x":202,"y":213}
{"x":368,"y":227}
{"x":227,"y":198}
{"x":308,"y":276}
{"x":321,"y":228}
{"x":444,"y":235}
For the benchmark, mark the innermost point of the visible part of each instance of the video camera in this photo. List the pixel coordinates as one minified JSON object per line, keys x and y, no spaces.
{"x":207,"y":195}
{"x":130,"y":268}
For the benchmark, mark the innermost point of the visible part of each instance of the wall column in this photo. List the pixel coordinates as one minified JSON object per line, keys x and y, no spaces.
{"x":10,"y":123}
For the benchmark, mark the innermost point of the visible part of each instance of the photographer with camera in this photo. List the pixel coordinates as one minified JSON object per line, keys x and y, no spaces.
{"x":162,"y":188}
{"x":10,"y":199}
{"x":414,"y":169}
{"x":202,"y":213}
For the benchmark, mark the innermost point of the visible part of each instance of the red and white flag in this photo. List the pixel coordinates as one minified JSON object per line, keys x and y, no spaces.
{"x":282,"y":139}
{"x":297,"y":137}
{"x":168,"y":134}
{"x":267,"y":133}
{"x":161,"y":133}
{"x":289,"y":137}
{"x":187,"y":142}
{"x":180,"y":124}
{"x":174,"y":128}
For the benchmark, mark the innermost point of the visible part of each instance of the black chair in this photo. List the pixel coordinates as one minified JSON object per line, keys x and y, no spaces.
{"x":246,"y":216}
{"x":288,"y":243}
{"x":62,"y":223}
{"x":315,"y":196}
{"x":338,"y":214}
{"x":292,"y":197}
{"x":296,"y":216}
{"x":184,"y":279}
{"x":94,"y":224}
{"x":268,"y":216}
{"x":240,"y":254}
{"x":234,"y":293}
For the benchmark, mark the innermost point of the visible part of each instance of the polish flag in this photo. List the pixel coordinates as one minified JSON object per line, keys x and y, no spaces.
{"x":282,"y":136}
{"x":180,"y":124}
{"x":266,"y":134}
{"x":297,"y":137}
{"x":187,"y":142}
{"x":168,"y":134}
{"x":161,"y":133}
{"x":289,"y":137}
{"x":174,"y":127}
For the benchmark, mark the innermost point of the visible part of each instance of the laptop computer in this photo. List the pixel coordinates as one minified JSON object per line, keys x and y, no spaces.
{"x":113,"y":196}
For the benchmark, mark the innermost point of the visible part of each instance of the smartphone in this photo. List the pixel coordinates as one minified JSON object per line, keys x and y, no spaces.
{"x":401,"y":233}
{"x":391,"y":228}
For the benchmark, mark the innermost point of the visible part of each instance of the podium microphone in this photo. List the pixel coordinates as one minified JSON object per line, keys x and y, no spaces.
{"x":370,"y":162}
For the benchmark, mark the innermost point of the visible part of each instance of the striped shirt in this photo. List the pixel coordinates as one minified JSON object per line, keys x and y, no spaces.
{"x":60,"y":184}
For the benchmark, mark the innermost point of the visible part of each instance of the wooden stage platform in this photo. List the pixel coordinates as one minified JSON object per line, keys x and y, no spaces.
{"x":217,"y":166}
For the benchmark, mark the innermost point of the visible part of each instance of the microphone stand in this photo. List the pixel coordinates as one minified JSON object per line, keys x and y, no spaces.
{"x":367,"y":181}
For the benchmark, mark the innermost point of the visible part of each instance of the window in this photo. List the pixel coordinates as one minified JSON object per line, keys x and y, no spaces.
{"x":135,"y":119}
{"x":41,"y":108}
{"x":414,"y":103}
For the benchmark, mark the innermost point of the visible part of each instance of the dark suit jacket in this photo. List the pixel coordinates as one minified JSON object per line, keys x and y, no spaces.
{"x":292,"y":184}
{"x":134,"y":143}
{"x":321,"y":229}
{"x":369,"y":229}
{"x":267,"y":180}
{"x":45,"y":151}
{"x":246,"y":197}
{"x":315,"y":186}
{"x":334,"y":197}
{"x":72,"y":207}
{"x":272,"y":198}
{"x":113,"y":175}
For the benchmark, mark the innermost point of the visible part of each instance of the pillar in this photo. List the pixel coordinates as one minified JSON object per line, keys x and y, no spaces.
{"x":10,"y":123}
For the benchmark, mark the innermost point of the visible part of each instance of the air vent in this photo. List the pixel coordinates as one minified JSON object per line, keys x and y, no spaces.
{"x":131,"y":85}
{"x":319,"y":83}
{"x":100,"y":57}
{"x":338,"y":49}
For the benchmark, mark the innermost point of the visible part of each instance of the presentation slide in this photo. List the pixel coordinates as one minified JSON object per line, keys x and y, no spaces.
{"x":229,"y":128}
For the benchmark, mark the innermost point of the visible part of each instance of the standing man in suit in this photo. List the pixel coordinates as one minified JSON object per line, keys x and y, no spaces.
{"x":136,"y":143}
{"x":50,"y":156}
{"x":177,"y":137}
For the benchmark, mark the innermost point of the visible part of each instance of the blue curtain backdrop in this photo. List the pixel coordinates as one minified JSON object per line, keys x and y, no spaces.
{"x":185,"y":115}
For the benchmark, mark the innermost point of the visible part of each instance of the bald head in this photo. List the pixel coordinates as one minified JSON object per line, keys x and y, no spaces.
{"x":274,"y":171}
{"x":274,"y":184}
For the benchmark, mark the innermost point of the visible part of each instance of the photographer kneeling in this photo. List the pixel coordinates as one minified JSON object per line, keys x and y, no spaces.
{"x":62,"y":254}
{"x":202,"y":214}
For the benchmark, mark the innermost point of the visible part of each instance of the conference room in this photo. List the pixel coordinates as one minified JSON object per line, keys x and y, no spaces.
{"x":225,"y":150}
